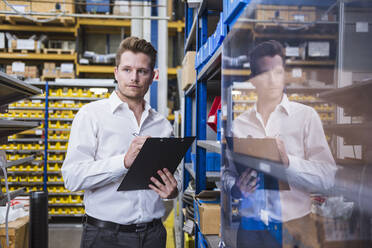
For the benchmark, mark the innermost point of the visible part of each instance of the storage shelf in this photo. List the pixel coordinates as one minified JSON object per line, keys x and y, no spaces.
{"x":13,"y":89}
{"x":212,"y":176}
{"x":310,"y":62}
{"x":77,"y":82}
{"x":67,"y":98}
{"x":26,"y":140}
{"x":57,"y":151}
{"x":55,"y":161}
{"x":353,"y":134}
{"x":192,"y":36}
{"x":66,"y":215}
{"x":37,"y":28}
{"x":356,"y":98}
{"x":210,"y":145}
{"x":212,"y":67}
{"x":64,"y":193}
{"x":24,"y":151}
{"x":57,"y":140}
{"x":9,"y":127}
{"x":20,"y":161}
{"x":38,"y":56}
{"x":66,"y":205}
{"x":26,"y":108}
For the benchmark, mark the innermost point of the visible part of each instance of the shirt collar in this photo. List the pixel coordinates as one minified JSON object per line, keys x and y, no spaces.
{"x":284,"y":105}
{"x":116,"y":102}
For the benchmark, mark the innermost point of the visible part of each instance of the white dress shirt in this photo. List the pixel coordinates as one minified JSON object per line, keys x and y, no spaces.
{"x":311,"y":164}
{"x":100,"y":136}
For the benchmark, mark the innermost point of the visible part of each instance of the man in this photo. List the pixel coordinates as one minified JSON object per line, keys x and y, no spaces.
{"x":301,"y":143}
{"x":105,"y":138}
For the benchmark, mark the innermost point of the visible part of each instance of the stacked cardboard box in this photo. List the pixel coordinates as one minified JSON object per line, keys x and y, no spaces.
{"x":27,"y":72}
{"x":188,"y":70}
{"x":285,"y":13}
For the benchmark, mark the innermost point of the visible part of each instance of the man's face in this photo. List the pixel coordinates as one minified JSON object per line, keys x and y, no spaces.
{"x":134,"y":75}
{"x":270,"y":82}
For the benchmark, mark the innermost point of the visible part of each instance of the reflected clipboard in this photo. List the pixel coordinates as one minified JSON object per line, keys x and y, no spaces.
{"x":156,"y":154}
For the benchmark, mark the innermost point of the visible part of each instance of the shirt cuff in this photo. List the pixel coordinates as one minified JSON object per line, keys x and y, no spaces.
{"x":117,"y":166}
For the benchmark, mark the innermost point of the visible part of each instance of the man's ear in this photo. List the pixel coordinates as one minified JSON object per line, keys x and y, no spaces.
{"x":115,"y":72}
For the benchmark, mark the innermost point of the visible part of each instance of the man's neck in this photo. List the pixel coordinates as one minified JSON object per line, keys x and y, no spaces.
{"x":266,"y":106}
{"x":136,"y":105}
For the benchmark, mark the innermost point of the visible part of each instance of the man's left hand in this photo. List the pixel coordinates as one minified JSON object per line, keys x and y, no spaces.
{"x":168,"y":190}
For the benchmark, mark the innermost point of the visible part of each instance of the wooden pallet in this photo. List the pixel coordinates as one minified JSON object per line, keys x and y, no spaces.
{"x":17,"y":19}
{"x":58,"y":51}
{"x":25,"y":51}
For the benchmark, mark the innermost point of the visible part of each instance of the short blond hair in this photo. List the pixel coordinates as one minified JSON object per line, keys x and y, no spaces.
{"x":136,"y":45}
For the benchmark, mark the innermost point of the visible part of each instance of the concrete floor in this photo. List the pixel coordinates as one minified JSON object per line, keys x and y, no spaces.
{"x":63,"y":235}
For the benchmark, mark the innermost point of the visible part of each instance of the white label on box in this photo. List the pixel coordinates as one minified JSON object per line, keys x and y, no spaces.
{"x":299,"y":18}
{"x":2,"y":40}
{"x":292,"y":51}
{"x":36,"y":101}
{"x":67,"y":102}
{"x":318,"y":49}
{"x":67,"y":67}
{"x":20,"y":8}
{"x":18,"y":67}
{"x":362,"y":27}
{"x":25,"y":44}
{"x":296,"y":72}
{"x":38,"y":132}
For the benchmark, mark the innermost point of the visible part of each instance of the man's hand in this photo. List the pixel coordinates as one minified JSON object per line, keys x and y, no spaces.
{"x":134,"y":149}
{"x":247,"y":182}
{"x":169,"y":189}
{"x":282,"y":152}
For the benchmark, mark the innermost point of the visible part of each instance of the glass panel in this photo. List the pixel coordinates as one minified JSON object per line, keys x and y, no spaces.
{"x":296,"y":125}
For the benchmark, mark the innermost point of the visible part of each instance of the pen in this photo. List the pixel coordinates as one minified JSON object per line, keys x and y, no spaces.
{"x":135,"y":134}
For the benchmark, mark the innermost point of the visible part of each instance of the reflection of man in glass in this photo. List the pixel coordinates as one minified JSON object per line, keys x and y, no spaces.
{"x":300,"y":140}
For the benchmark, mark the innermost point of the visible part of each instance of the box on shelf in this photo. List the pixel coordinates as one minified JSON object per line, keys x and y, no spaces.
{"x":21,"y":6}
{"x":318,"y":49}
{"x":50,"y":6}
{"x":295,"y":75}
{"x":285,"y":13}
{"x":99,"y":6}
{"x":121,"y":7}
{"x":208,"y":211}
{"x":188,"y":70}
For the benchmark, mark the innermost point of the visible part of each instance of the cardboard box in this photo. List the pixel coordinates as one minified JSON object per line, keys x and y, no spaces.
{"x":50,"y":6}
{"x":188,"y":70}
{"x":321,"y":232}
{"x":295,"y":75}
{"x":208,"y":211}
{"x":22,"y":6}
{"x":285,"y":13}
{"x":18,"y":233}
{"x":257,"y":147}
{"x":121,"y":7}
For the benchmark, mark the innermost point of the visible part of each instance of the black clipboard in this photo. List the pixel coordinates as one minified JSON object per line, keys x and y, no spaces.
{"x":156,"y":154}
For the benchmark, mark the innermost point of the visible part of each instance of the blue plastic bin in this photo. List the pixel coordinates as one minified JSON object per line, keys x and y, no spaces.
{"x":98,"y":6}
